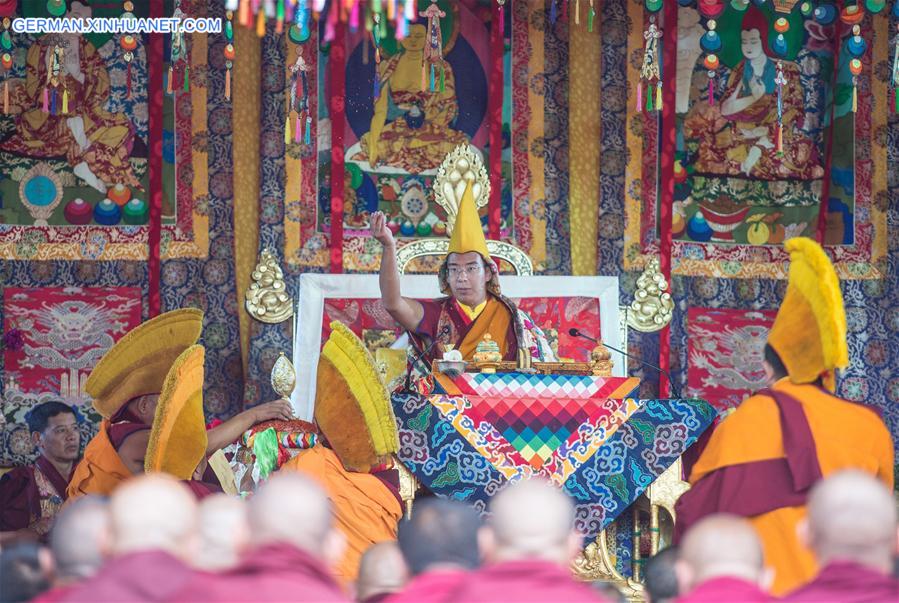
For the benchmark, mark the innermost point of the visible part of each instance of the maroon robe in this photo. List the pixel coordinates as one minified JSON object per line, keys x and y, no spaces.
{"x":847,"y":582}
{"x":431,"y":587}
{"x":145,"y":576}
{"x":275,"y":572}
{"x":725,"y":588}
{"x":526,"y":580}
{"x":31,"y":496}
{"x":444,"y":321}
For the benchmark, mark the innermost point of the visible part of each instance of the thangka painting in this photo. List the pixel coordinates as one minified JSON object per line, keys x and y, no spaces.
{"x":74,"y":138}
{"x":779,"y":115}
{"x":408,"y":102}
{"x":52,"y":339}
{"x":726,"y":349}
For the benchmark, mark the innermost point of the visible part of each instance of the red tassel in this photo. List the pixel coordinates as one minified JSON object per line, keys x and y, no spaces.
{"x":6,"y":96}
{"x":46,"y":106}
{"x":168,"y":85}
{"x":711,"y":91}
{"x":227,"y":84}
{"x":128,"y":80}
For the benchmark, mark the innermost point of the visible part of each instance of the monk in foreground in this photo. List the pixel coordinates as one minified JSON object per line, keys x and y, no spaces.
{"x":293,"y":545}
{"x":762,"y":460}
{"x":153,"y":521}
{"x":440,"y":544}
{"x":721,"y":560}
{"x":852,"y":530}
{"x":382,"y":571}
{"x":224,"y":532}
{"x":528,"y":544}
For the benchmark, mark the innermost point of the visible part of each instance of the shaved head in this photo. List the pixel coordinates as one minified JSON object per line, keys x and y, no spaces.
{"x":852,"y":517}
{"x":719,"y":546}
{"x":381,"y":570}
{"x":292,"y":509}
{"x":80,"y":537}
{"x":224,"y":532}
{"x":532,"y":519}
{"x":153,"y":511}
{"x":441,"y":534}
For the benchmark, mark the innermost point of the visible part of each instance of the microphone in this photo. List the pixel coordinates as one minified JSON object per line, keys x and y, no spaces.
{"x":575,"y":332}
{"x":424,"y":353}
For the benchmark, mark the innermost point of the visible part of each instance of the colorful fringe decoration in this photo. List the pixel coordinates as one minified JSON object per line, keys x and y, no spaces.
{"x":433,"y":51}
{"x":650,"y":71}
{"x":591,"y":14}
{"x":6,"y":96}
{"x":780,"y":80}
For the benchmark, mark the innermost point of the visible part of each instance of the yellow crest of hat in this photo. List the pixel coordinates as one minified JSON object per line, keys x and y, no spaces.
{"x":178,"y":437}
{"x":467,"y":233}
{"x":352,"y":405}
{"x":138,"y":363}
{"x":809,"y":332}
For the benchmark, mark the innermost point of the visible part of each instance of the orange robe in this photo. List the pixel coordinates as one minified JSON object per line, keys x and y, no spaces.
{"x":101,"y":470}
{"x":365,"y":510}
{"x":443,"y":320}
{"x":845,"y":436}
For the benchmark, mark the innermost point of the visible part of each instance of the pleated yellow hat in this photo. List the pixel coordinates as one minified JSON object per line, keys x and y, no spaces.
{"x":178,"y":436}
{"x":467,"y":233}
{"x":809,"y":332}
{"x":352,"y":405}
{"x":138,"y":363}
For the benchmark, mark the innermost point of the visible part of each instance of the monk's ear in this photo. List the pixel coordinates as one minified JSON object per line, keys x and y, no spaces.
{"x":36,"y":438}
{"x":334,"y":547}
{"x":487,"y":543}
{"x":684,"y":574}
{"x":575,"y":542}
{"x":804,"y":533}
{"x":766,"y":578}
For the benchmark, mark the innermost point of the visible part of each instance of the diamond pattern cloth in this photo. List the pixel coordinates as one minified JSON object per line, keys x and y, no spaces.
{"x":544,"y":421}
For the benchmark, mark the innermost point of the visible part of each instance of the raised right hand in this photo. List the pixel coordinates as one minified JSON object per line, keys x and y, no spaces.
{"x":379,"y":229}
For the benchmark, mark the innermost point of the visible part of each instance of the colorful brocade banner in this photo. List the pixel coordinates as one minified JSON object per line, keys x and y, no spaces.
{"x":737,"y":196}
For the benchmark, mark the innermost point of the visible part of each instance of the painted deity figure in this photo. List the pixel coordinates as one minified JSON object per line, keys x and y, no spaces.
{"x":420,"y":135}
{"x":738,"y":136}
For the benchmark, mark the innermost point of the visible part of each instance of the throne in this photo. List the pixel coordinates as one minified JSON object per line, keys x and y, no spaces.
{"x":590,"y":303}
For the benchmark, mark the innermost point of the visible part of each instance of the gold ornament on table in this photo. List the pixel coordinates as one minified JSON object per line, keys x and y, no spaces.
{"x":284,"y":377}
{"x":266,"y":298}
{"x":487,"y":355}
{"x":601,"y":361}
{"x":652,"y":307}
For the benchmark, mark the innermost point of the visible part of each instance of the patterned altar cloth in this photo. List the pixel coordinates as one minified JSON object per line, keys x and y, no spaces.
{"x":482,"y":431}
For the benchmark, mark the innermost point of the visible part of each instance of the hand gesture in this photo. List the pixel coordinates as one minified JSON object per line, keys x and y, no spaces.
{"x":277,"y":409}
{"x":757,"y":87}
{"x":379,"y":229}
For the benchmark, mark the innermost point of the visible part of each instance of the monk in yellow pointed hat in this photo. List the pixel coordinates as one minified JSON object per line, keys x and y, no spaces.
{"x":474,"y":306}
{"x":762,"y":460}
{"x":126,"y":385}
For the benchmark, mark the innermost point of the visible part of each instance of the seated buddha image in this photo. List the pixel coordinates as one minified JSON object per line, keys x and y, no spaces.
{"x":411,"y":129}
{"x":737,"y":136}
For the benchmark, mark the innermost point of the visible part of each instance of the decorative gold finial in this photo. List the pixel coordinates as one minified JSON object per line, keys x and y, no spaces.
{"x":601,"y":361}
{"x":267,"y":299}
{"x":487,"y":354}
{"x":460,"y":166}
{"x":652,"y":307}
{"x":284,"y":377}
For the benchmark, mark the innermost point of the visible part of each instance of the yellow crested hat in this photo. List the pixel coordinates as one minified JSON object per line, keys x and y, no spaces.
{"x":178,"y":436}
{"x":467,"y":233}
{"x":352,"y":405}
{"x":809,"y":332}
{"x":138,"y":363}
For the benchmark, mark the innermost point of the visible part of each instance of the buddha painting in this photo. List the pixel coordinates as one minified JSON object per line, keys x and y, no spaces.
{"x":737,"y":136}
{"x":61,"y":111}
{"x":412,"y":128}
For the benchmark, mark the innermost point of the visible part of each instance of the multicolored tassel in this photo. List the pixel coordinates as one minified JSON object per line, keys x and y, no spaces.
{"x":651,"y":69}
{"x":780,"y":80}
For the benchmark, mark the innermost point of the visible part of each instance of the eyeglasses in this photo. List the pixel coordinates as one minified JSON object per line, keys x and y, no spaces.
{"x":455,"y":272}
